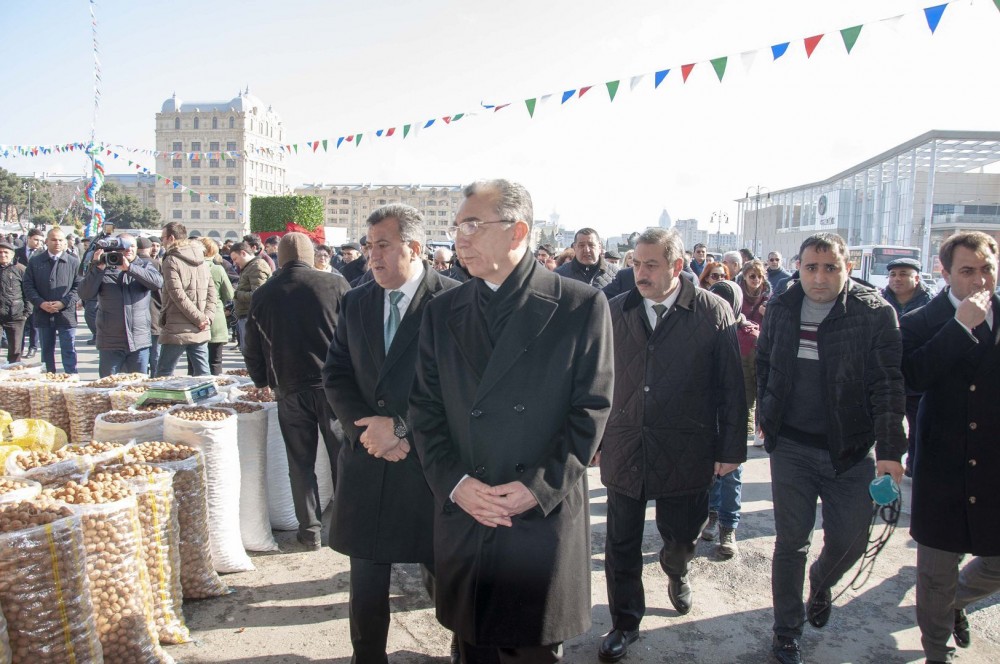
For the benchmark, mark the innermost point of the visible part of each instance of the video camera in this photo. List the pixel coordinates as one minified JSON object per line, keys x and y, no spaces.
{"x":113,"y":248}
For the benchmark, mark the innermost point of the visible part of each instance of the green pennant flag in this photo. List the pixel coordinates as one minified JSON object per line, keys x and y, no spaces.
{"x":530,"y":103}
{"x":720,"y":66}
{"x":459,"y":116}
{"x":324,"y":144}
{"x":406,"y":130}
{"x":296,"y":147}
{"x":612,"y":88}
{"x":357,"y":140}
{"x":997,"y":3}
{"x":850,"y":36}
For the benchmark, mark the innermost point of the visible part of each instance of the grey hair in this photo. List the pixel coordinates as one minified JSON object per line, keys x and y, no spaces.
{"x":411,"y":222}
{"x":513,"y":200}
{"x":670,"y":241}
{"x":444,"y":251}
{"x":733,"y":255}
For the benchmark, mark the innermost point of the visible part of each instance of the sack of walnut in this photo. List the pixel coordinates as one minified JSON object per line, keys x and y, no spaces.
{"x":251,"y":425}
{"x":199,"y":579}
{"x":44,"y":587}
{"x":48,"y":468}
{"x":123,"y":425}
{"x":119,"y":585}
{"x":84,"y":403}
{"x":4,"y":643}
{"x":126,"y":396}
{"x":15,"y":395}
{"x":14,"y":489}
{"x":213,"y":431}
{"x":154,"y":492}
{"x":280,"y":506}
{"x":48,"y":398}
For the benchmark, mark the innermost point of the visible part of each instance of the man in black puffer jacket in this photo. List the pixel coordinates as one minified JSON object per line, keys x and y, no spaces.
{"x":678,"y":419}
{"x":829,"y":389}
{"x":588,"y":265}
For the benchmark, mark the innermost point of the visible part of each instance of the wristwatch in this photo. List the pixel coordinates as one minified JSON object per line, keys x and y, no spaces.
{"x":399,"y":427}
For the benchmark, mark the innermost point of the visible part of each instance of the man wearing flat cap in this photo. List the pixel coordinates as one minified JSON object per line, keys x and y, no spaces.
{"x":13,"y":309}
{"x":355,"y":263}
{"x":290,"y":325}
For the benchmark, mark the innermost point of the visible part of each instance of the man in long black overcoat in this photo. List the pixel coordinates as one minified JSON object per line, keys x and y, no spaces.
{"x":513,"y":389}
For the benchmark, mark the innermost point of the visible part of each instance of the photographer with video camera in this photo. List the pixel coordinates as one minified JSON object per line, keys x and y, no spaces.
{"x":121,"y":282}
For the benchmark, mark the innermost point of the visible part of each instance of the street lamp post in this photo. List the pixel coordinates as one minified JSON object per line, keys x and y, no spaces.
{"x":757,"y":190}
{"x":722,"y":218}
{"x":27,"y":187}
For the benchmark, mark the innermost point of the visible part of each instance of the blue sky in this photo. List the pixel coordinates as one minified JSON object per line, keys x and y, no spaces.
{"x":330,"y":68}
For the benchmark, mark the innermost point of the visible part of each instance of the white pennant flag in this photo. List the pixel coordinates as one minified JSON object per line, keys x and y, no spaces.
{"x":748,"y":57}
{"x":636,"y":80}
{"x":893,"y":23}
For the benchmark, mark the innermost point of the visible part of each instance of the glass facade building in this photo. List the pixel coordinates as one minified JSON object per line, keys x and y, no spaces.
{"x":914,"y":195}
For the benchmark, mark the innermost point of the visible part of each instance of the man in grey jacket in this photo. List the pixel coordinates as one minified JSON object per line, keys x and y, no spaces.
{"x":121,"y":283}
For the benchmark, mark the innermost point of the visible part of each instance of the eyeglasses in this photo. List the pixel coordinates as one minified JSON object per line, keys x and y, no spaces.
{"x":470,"y":227}
{"x":715,"y":276}
{"x":753,"y":275}
{"x":773,"y":260}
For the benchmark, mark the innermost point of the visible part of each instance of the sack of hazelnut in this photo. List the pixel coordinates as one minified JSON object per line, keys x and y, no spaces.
{"x":14,"y":489}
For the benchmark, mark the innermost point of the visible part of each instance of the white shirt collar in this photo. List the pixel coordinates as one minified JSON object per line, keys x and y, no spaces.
{"x":409,"y":289}
{"x":668,"y":303}
{"x":53,"y":256}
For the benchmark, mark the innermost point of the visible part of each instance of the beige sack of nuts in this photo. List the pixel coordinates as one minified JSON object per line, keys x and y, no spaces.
{"x":4,"y":643}
{"x":255,"y":526}
{"x":154,"y":492}
{"x":84,"y":403}
{"x":48,"y":398}
{"x":214,"y":431}
{"x":48,"y":468}
{"x":15,"y":395}
{"x":119,"y":586}
{"x":14,"y":489}
{"x":126,"y":396}
{"x":123,"y":425}
{"x":199,"y":579}
{"x":44,"y":587}
{"x":19,"y":369}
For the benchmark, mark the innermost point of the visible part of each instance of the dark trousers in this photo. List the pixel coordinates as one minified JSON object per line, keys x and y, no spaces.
{"x":525,"y":655}
{"x":29,"y":329}
{"x":800,"y":475}
{"x":679,"y":519}
{"x":300,"y":415}
{"x":214,"y":359}
{"x":369,"y":608}
{"x":67,"y":347}
{"x":15,"y":337}
{"x":90,"y":316}
{"x":912,"y":405}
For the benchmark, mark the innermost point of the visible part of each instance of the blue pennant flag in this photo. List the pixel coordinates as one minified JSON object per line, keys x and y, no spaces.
{"x":659,"y":76}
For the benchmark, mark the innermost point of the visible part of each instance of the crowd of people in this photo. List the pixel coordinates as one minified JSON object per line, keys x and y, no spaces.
{"x":474,"y":385}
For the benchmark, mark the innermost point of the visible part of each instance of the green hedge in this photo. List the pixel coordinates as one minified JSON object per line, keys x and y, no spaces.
{"x":273,"y":213}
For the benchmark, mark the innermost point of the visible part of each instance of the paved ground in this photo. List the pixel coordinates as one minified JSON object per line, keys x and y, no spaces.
{"x":293,"y":608}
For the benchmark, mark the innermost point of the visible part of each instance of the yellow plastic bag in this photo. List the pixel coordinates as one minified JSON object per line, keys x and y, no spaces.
{"x":6,"y":451}
{"x":5,"y":420}
{"x":36,"y":435}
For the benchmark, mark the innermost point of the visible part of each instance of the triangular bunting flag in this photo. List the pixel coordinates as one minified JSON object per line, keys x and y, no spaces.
{"x":544,"y":99}
{"x":720,"y":66}
{"x":778,"y":50}
{"x":296,"y":146}
{"x":429,"y":123}
{"x":406,"y":130}
{"x":811,"y":43}
{"x":129,"y":162}
{"x":893,"y":22}
{"x":447,"y":119}
{"x":390,"y":131}
{"x":357,"y":141}
{"x":850,"y":36}
{"x":747,"y":58}
{"x":583,"y":90}
{"x":636,"y":80}
{"x":378,"y":132}
{"x":612,"y":88}
{"x":350,"y":138}
{"x":686,"y":70}
{"x":457,"y":117}
{"x":659,"y":76}
{"x":499,"y":106}
{"x":339,"y":141}
{"x":567,"y":95}
{"x":324,"y":144}
{"x":530,"y":103}
{"x":933,"y":15}
{"x":997,"y":3}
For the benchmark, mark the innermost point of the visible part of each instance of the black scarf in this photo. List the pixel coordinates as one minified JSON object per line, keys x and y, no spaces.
{"x":497,"y":307}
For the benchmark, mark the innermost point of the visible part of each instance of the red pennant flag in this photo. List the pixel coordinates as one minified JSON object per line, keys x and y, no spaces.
{"x":447,"y":119}
{"x":584,"y":89}
{"x":499,"y":106}
{"x":686,"y":70}
{"x":315,"y":145}
{"x":390,"y":131}
{"x":811,"y":43}
{"x":350,"y":138}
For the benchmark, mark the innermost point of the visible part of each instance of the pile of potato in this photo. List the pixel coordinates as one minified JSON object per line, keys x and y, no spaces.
{"x":44,"y":586}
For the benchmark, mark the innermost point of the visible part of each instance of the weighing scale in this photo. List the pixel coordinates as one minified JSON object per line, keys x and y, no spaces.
{"x":183,"y":390}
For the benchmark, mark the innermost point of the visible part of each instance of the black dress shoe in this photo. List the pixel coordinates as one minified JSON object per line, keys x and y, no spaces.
{"x":615,"y":644}
{"x":679,"y":593}
{"x":786,"y":650}
{"x":819,"y":607}
{"x":310,"y":541}
{"x":456,"y":654}
{"x":31,"y":353}
{"x":963,"y":638}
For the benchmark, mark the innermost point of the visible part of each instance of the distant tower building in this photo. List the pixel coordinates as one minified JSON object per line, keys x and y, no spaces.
{"x":665,"y":221}
{"x":192,"y":139}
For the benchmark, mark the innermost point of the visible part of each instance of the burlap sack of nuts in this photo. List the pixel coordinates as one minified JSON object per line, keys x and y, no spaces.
{"x":251,"y":426}
{"x":154,"y":492}
{"x":280,"y":506}
{"x":123,"y":425}
{"x":119,"y":586}
{"x":44,"y":587}
{"x":126,"y":396}
{"x":84,"y":403}
{"x":15,"y":395}
{"x":48,"y":398}
{"x":214,"y":431}
{"x":4,"y":643}
{"x":199,"y":579}
{"x":14,"y":489}
{"x":48,"y":468}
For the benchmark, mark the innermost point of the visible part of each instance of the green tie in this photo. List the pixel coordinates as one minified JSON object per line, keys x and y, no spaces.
{"x":659,"y":310}
{"x":392,"y":324}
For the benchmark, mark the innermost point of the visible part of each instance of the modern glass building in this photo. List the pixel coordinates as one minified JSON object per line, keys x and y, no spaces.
{"x":914,"y":195}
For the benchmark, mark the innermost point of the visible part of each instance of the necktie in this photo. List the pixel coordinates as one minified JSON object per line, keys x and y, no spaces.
{"x":660,"y":310}
{"x":392,"y":324}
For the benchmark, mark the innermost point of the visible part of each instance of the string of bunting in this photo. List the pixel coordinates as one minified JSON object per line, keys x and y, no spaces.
{"x":849,"y":35}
